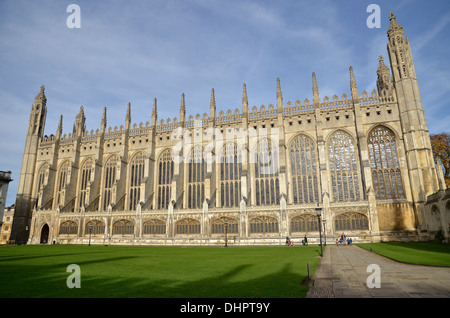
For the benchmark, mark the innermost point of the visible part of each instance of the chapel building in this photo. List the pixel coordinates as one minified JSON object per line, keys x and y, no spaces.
{"x":247,"y":176}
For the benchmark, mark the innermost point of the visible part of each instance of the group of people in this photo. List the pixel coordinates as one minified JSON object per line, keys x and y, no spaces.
{"x":343,"y":240}
{"x":290,"y":243}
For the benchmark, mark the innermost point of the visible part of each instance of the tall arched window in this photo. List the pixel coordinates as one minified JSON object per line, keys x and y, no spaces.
{"x":63,"y":176}
{"x":41,"y":183}
{"x":43,"y":173}
{"x":136,"y":176}
{"x":343,"y":167}
{"x":304,"y":170}
{"x":267,"y":184}
{"x":165,"y":170}
{"x":110,"y":178}
{"x":86,"y":171}
{"x":230,"y":176}
{"x":196,"y":178}
{"x":386,"y":173}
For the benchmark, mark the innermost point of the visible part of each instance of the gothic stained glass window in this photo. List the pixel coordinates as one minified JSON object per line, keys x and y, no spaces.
{"x":267,"y":184}
{"x":136,"y":177}
{"x":343,"y":167}
{"x":86,"y":171}
{"x":165,"y":169}
{"x":304,"y":170}
{"x":196,"y":178}
{"x":63,"y":176}
{"x":110,"y":178}
{"x":384,"y":163}
{"x":230,"y":176}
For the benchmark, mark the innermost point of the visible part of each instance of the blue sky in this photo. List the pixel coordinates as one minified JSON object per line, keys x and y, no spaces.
{"x":135,"y":51}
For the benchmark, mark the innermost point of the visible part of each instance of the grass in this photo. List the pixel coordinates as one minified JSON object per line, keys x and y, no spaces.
{"x":156,"y":272}
{"x":423,"y":253}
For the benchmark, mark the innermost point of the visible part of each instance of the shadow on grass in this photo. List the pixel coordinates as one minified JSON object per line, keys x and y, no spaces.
{"x":51,"y":282}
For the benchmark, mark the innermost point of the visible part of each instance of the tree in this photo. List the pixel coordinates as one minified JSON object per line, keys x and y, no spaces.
{"x":440,"y":144}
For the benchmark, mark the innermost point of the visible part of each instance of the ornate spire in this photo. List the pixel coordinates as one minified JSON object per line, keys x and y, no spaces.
{"x":212,"y":107}
{"x":182,"y":109}
{"x":279,"y":96}
{"x":128,"y":116}
{"x":384,"y":82}
{"x":244,"y":100}
{"x":394,"y":27}
{"x":59,"y":129}
{"x":41,"y":95}
{"x":103,"y":124}
{"x":316,"y":99}
{"x":353,"y":88}
{"x":80,"y":121}
{"x":154,"y":114}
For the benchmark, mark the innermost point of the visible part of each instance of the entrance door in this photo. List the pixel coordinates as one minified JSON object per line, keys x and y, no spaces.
{"x":44,"y":234}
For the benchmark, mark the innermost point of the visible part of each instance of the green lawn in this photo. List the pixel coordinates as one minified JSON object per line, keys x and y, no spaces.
{"x":156,"y":272}
{"x":423,"y":253}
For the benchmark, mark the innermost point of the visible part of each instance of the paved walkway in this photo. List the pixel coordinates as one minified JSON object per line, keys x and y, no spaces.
{"x":342,"y":272}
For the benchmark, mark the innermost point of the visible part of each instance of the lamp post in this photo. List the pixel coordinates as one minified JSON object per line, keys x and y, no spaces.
{"x":319,"y":214}
{"x":226,"y":232}
{"x":90,"y":231}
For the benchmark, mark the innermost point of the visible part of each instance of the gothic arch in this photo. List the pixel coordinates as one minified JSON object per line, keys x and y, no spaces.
{"x":135,"y":177}
{"x":351,"y":221}
{"x":195,"y":176}
{"x":165,"y":168}
{"x":123,"y":227}
{"x":188,"y":226}
{"x":68,"y":228}
{"x":218,"y":225}
{"x":85,"y":174}
{"x":302,"y":157}
{"x":384,"y":158}
{"x":153,"y":226}
{"x":304,"y":223}
{"x":264,"y":225}
{"x":343,"y":163}
{"x":98,"y":228}
{"x":63,"y":177}
{"x":265,"y":162}
{"x":229,"y":168}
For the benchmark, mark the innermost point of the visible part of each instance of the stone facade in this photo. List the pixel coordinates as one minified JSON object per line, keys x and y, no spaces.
{"x":5,"y":179}
{"x":246,"y":176}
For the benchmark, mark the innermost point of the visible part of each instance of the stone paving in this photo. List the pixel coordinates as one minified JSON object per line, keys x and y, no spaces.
{"x":343,"y":273}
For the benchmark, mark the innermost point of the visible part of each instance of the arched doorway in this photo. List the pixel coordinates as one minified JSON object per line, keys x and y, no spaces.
{"x":44,"y":234}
